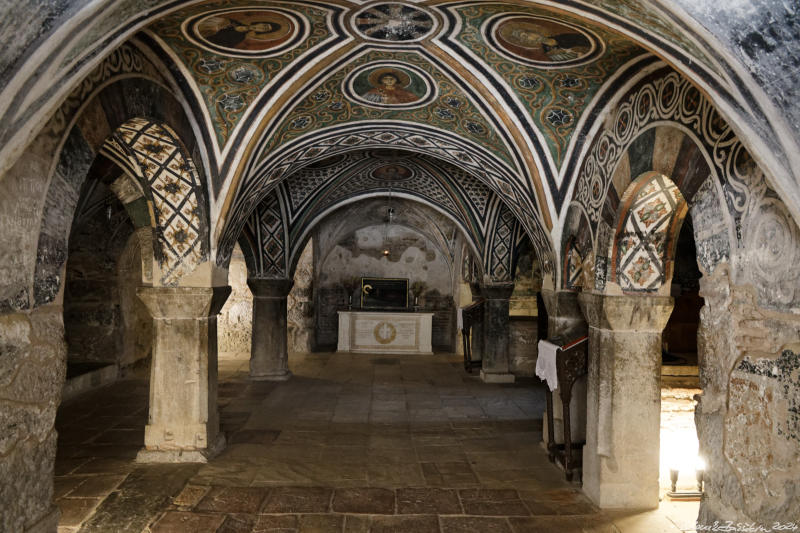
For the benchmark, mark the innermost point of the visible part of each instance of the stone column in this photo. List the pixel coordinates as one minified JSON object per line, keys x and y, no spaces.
{"x":269,"y":355}
{"x":621,"y":456}
{"x":495,"y":367}
{"x":476,"y":334}
{"x":566,"y":320}
{"x":183,"y":425}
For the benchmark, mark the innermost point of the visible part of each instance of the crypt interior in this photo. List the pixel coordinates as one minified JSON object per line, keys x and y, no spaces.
{"x":439,"y":265}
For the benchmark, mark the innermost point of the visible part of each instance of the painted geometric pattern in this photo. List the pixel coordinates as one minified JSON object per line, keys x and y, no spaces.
{"x":573,"y":269}
{"x":421,"y":184}
{"x":647,"y":227}
{"x":152,"y":153}
{"x":669,"y":98}
{"x":443,"y":182}
{"x":657,"y":24}
{"x":342,"y":140}
{"x":303,"y":184}
{"x":471,"y":187}
{"x":501,"y":253}
{"x":229,"y":85}
{"x":307,"y":181}
{"x":267,"y":229}
{"x":555,"y":99}
{"x":325,"y":106}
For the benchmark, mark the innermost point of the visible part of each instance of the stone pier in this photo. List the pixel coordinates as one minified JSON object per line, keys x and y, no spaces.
{"x":565,"y":319}
{"x":269,"y":355}
{"x":183,"y":424}
{"x":496,"y":365}
{"x":621,"y":456}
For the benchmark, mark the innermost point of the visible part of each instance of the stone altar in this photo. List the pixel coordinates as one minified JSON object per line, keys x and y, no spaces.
{"x":389,"y":332}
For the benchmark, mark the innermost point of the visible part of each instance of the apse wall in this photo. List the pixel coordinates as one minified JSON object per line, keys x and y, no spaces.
{"x":360,"y":253}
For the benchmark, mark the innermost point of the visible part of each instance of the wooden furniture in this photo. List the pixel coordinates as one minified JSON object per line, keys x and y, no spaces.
{"x":571,"y":363}
{"x":469,"y":316}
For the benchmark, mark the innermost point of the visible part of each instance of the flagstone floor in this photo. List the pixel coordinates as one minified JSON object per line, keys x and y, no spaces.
{"x":352,"y":443}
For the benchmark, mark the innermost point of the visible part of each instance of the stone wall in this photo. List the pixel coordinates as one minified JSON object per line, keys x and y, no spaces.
{"x":523,"y":328}
{"x":300,"y":307}
{"x":32,"y":370}
{"x":38,"y":200}
{"x":136,"y":323}
{"x":235,"y":321}
{"x":358,"y":253}
{"x":93,"y":320}
{"x":747,"y":418}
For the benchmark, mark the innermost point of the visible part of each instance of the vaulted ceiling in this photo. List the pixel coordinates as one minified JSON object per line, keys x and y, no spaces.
{"x":503,"y":92}
{"x":506,"y":95}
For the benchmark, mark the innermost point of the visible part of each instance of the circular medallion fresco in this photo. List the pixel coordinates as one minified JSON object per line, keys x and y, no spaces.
{"x":390,"y":85}
{"x":392,"y":172}
{"x":245,"y":32}
{"x":394,"y":22}
{"x":542,"y":42}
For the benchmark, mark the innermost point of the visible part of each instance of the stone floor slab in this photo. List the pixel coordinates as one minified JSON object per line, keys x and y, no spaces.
{"x":233,"y":500}
{"x":186,"y":522}
{"x":492,"y":502}
{"x":428,"y":501}
{"x":364,"y":501}
{"x":474,"y":524}
{"x":298,"y":500}
{"x":419,"y":453}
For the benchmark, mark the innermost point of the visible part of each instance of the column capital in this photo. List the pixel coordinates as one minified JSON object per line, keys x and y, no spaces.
{"x":270,"y":288}
{"x":497,"y":290}
{"x":637,"y":314}
{"x":561,"y":303}
{"x":183,"y":302}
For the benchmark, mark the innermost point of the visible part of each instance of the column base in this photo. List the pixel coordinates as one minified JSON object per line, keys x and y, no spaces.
{"x":497,"y":377}
{"x":182,"y":456}
{"x":279,"y":376}
{"x":47,"y":524}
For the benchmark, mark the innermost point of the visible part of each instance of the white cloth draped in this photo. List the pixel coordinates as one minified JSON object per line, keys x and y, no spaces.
{"x":546,"y":364}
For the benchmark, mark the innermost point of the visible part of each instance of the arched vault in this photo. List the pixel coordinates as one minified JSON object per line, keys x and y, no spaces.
{"x":276,"y":231}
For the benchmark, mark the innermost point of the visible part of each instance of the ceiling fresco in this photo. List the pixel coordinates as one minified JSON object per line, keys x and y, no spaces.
{"x":233,"y":52}
{"x":276,"y":231}
{"x":659,"y":24}
{"x":506,"y":94}
{"x":315,"y":190}
{"x":234,"y":60}
{"x":553,"y":65}
{"x":421,"y":94}
{"x":513,"y":80}
{"x":398,"y":61}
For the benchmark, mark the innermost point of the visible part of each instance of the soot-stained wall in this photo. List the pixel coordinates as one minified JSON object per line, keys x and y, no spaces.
{"x":339,"y":257}
{"x":92,"y":313}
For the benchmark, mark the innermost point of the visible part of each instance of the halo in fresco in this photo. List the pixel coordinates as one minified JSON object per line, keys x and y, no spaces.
{"x":394,"y":22}
{"x":389,"y":84}
{"x":245,"y":32}
{"x":541,"y":41}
